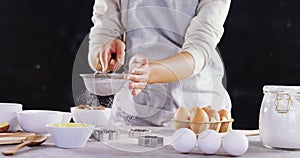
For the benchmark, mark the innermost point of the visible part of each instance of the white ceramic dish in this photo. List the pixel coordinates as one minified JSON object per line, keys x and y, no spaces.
{"x":70,"y":135}
{"x":93,"y":117}
{"x":36,"y":120}
{"x":8,"y":113}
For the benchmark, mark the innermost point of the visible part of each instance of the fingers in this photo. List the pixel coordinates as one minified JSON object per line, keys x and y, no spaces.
{"x":120,"y":52}
{"x":138,"y":78}
{"x":136,"y":87}
{"x":114,"y":65}
{"x":139,"y":73}
{"x":137,"y":61}
{"x":136,"y":91}
{"x":137,"y":82}
{"x":115,"y":47}
{"x":117,"y":66}
{"x":98,"y":65}
{"x":105,"y":57}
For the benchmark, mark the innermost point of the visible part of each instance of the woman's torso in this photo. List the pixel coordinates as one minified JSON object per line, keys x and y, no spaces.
{"x":156,"y":28}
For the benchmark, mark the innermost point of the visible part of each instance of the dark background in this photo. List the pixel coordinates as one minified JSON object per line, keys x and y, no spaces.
{"x":40,"y":39}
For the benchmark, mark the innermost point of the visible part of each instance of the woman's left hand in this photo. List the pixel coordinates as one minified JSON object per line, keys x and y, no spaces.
{"x":139,"y":72}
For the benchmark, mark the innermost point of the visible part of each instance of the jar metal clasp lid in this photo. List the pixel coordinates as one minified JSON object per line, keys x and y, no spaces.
{"x":283,"y":102}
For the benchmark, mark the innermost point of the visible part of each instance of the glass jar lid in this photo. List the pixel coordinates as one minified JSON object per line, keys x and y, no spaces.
{"x":281,"y":89}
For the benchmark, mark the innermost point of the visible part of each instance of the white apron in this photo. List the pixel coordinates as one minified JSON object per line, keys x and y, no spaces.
{"x":156,"y":28}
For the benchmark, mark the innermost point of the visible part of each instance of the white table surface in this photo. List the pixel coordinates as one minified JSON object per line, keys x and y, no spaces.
{"x":121,"y":148}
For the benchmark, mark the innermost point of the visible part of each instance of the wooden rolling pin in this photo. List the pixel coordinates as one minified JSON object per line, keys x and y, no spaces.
{"x":14,"y":138}
{"x":250,"y":132}
{"x":16,"y":134}
{"x":246,"y":132}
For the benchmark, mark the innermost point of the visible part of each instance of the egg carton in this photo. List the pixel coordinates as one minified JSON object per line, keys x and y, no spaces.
{"x":219,"y":126}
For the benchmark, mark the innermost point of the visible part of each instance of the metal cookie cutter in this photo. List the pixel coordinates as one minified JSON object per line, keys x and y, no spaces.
{"x":150,"y":141}
{"x":135,"y":133}
{"x":105,"y":134}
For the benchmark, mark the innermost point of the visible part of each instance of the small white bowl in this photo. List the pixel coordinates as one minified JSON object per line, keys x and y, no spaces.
{"x":36,"y":120}
{"x":70,"y":135}
{"x":93,"y":117}
{"x":9,"y":114}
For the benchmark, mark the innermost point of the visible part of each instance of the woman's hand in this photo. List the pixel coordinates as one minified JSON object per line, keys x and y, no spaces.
{"x":139,"y":72}
{"x":111,"y":56}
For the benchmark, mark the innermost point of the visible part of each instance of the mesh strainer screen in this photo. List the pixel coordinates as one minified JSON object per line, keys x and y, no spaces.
{"x":102,"y":85}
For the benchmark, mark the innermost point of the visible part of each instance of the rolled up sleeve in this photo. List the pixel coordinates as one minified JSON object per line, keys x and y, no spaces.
{"x":205,"y":31}
{"x":107,"y":26}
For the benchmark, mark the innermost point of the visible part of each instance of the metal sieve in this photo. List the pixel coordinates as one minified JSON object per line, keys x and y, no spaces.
{"x":103,"y":84}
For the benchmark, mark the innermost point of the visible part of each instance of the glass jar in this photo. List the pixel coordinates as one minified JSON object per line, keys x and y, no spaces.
{"x":279,"y":119}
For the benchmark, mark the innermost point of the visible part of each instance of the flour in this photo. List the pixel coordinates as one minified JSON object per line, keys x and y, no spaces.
{"x":88,"y":98}
{"x":280,"y":130}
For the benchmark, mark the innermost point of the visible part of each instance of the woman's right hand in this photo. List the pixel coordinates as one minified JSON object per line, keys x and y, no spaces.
{"x":111,"y":54}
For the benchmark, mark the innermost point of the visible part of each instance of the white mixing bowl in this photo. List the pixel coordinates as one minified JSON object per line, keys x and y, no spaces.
{"x":8,"y":113}
{"x":93,"y":117}
{"x":36,"y":120}
{"x":70,"y":135}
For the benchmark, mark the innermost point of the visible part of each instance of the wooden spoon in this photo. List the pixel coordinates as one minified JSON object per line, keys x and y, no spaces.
{"x":31,"y":141}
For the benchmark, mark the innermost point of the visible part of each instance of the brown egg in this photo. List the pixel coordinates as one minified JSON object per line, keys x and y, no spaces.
{"x":199,"y":120}
{"x":182,"y":114}
{"x":225,"y":116}
{"x":4,"y":126}
{"x":193,"y":109}
{"x":206,"y":108}
{"x":181,"y":118}
{"x":199,"y":115}
{"x":214,"y":116}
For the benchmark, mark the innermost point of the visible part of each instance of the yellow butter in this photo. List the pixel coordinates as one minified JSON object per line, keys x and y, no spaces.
{"x":68,"y":125}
